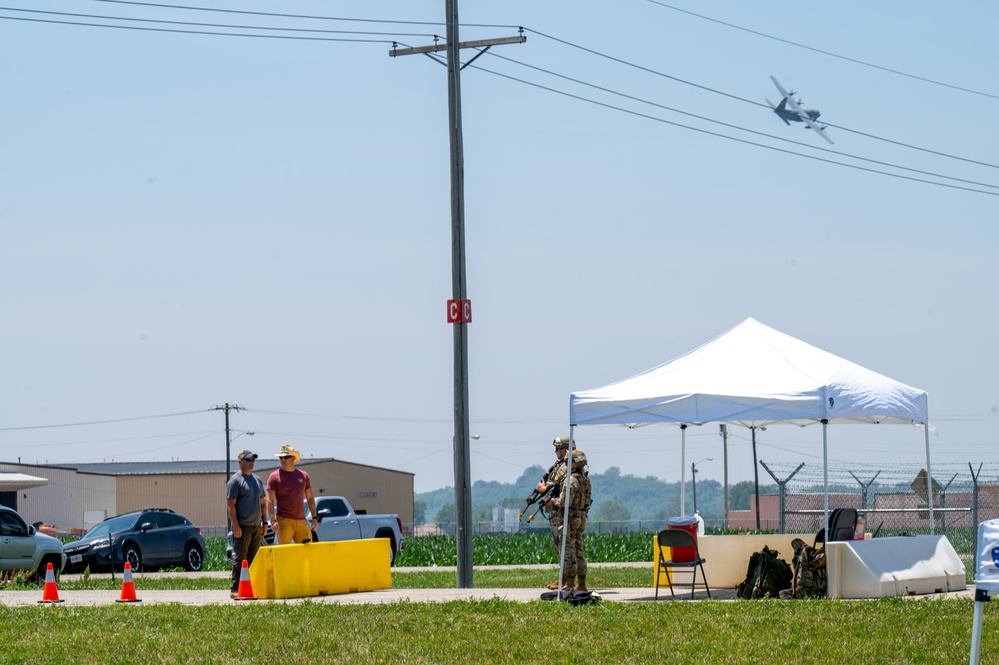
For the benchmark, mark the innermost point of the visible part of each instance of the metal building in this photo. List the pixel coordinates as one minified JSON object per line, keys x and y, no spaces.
{"x":76,"y":496}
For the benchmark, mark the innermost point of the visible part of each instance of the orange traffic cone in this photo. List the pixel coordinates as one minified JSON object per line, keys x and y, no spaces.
{"x":245,"y":588}
{"x":50,"y":594}
{"x":127,"y":587}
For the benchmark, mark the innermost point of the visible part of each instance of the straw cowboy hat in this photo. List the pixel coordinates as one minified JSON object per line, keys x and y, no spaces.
{"x":286,"y":450}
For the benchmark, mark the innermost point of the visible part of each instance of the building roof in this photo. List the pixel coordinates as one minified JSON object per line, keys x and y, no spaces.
{"x":189,"y":466}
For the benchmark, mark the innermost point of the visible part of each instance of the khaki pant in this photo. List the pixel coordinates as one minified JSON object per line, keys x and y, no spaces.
{"x":575,"y":558}
{"x":555,"y":523}
{"x":289,"y":530}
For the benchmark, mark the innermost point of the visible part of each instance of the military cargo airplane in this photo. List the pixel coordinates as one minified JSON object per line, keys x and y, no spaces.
{"x":790,"y":111}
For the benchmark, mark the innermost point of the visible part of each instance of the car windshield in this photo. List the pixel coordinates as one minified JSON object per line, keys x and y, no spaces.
{"x":115,"y":524}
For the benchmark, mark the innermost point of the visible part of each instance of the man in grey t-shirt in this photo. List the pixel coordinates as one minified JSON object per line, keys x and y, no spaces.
{"x":247,"y":505}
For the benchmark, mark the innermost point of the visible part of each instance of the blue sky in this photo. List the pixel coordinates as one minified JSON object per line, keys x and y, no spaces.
{"x":189,"y":220}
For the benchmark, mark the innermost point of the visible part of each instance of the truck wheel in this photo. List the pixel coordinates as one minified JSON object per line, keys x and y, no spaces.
{"x":39,"y":575}
{"x":392,"y":547}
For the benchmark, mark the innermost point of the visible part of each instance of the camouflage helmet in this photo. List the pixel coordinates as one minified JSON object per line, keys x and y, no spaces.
{"x":561,"y":442}
{"x":578,"y":457}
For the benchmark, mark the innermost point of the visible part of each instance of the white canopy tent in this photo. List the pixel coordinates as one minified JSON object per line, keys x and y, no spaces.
{"x":753,"y":376}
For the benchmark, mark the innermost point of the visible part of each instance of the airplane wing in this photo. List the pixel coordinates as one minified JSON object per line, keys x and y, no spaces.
{"x":780,"y":88}
{"x":816,"y":126}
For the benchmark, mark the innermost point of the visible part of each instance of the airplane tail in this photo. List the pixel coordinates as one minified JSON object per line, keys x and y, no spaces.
{"x":780,"y":109}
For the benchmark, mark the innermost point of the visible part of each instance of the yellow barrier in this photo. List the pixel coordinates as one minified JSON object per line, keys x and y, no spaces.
{"x":320,"y":569}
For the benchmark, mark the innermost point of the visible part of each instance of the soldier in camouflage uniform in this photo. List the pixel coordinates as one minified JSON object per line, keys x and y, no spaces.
{"x":555,"y":475}
{"x":580,"y":499}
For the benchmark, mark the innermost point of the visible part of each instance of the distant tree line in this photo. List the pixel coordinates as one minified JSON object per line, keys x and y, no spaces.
{"x":616,"y":497}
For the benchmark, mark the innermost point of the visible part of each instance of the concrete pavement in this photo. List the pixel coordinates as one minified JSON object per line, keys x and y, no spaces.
{"x":385,"y":596}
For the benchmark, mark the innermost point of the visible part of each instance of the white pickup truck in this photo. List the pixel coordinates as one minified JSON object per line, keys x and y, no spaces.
{"x":339,"y":521}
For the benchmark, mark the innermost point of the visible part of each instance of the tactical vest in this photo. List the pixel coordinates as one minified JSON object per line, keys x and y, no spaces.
{"x":580,"y":493}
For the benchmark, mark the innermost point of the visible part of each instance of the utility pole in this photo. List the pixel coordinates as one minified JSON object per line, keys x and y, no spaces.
{"x":459,"y":310}
{"x":756,"y":473}
{"x":227,"y":408}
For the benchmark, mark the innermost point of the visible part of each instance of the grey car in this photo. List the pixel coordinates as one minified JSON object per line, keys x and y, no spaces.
{"x":22,"y":548}
{"x":147,"y":539}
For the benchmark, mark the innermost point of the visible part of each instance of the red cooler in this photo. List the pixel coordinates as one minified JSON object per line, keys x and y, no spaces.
{"x":685,"y":524}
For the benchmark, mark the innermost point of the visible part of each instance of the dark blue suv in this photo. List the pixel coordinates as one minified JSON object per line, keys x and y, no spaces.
{"x":147,"y":539}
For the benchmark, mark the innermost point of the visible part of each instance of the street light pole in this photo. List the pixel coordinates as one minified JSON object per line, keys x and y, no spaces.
{"x":693,"y":477}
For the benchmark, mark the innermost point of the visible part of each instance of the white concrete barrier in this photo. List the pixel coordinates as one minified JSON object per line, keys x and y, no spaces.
{"x":893,"y":567}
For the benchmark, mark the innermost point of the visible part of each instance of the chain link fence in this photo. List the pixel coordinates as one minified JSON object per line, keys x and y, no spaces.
{"x":893,"y":500}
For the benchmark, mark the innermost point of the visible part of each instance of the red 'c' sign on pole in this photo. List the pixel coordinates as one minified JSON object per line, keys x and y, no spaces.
{"x":459,"y":310}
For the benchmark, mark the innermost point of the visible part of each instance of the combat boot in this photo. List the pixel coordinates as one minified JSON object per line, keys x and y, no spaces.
{"x":581,"y":583}
{"x":567,"y":581}
{"x":553,"y":586}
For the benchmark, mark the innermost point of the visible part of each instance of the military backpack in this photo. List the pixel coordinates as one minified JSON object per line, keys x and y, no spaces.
{"x":767,"y":575}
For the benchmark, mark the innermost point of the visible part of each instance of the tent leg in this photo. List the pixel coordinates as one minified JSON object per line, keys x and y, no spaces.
{"x":825,"y":475}
{"x":929,"y":479}
{"x":683,"y":466}
{"x":976,"y":629}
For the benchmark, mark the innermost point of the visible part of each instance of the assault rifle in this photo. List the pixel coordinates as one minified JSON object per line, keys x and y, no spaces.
{"x":541,"y":498}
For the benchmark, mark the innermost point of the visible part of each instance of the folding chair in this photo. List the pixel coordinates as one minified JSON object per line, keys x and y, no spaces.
{"x":674,"y":538}
{"x":842,"y":526}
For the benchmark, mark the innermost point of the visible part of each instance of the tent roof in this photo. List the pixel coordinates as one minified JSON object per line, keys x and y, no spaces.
{"x":751,"y":375}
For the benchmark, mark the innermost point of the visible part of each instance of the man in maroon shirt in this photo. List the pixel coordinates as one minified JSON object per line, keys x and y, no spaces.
{"x":287,"y":490}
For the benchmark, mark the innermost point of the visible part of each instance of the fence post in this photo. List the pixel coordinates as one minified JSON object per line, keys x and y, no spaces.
{"x":781,"y":491}
{"x":974,"y":503}
{"x":943,"y":504}
{"x":864,"y":487}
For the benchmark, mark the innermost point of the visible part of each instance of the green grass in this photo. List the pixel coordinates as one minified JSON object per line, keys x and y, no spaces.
{"x":497,"y":631}
{"x":890,"y":630}
{"x":523,"y":548}
{"x":518,"y":578}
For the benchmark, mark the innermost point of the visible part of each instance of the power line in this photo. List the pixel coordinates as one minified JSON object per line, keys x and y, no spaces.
{"x":743,"y":99}
{"x":271,"y":14}
{"x":194,"y":32}
{"x":738,"y":127}
{"x":429,"y":421}
{"x":115,"y":440}
{"x":730,"y":138}
{"x":386,"y":21}
{"x":211,"y":25}
{"x":829,"y":53}
{"x":302,"y":16}
{"x":102,"y":422}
